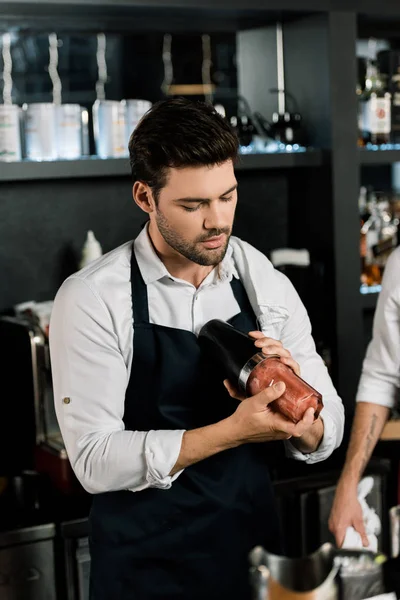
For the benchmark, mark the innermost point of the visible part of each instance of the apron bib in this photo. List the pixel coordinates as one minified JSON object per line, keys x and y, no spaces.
{"x":190,"y":541}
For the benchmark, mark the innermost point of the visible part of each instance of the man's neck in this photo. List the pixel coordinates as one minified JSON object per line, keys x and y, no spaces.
{"x":177,"y":265}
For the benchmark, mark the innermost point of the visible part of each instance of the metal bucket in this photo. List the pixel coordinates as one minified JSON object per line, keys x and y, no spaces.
{"x":109,"y":125}
{"x":10,"y":134}
{"x":41,"y":131}
{"x":327,"y":574}
{"x":308,"y":578}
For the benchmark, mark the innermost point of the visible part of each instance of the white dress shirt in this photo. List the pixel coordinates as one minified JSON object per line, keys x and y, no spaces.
{"x":92,"y":347}
{"x":380,"y":377}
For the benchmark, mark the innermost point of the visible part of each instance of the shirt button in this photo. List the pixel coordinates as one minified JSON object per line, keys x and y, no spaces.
{"x":66,"y":400}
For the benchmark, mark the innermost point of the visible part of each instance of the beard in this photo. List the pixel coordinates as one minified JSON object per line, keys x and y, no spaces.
{"x":207,"y":256}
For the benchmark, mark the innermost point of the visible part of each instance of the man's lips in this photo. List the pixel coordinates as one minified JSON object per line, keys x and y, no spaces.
{"x":214,"y":242}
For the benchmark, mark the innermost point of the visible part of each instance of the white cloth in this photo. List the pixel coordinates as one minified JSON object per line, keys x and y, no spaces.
{"x":372,"y":522}
{"x":92,"y":346}
{"x":380,"y":378}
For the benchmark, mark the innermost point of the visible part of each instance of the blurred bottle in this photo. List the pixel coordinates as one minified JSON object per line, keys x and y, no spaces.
{"x":370,"y":225}
{"x":91,"y":250}
{"x":389,"y":64}
{"x":378,"y":235}
{"x":375,"y":107}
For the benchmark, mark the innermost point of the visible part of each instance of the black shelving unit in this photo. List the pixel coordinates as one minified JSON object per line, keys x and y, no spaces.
{"x":321,"y":186}
{"x":378,"y":157}
{"x":369,"y":301}
{"x":119,"y":167}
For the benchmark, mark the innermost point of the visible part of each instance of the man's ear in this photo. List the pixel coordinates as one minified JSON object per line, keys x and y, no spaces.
{"x":143,"y":196}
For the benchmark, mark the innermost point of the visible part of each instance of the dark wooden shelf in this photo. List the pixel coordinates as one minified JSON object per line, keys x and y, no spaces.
{"x":379,"y":157}
{"x":152,"y":15}
{"x":119,"y":167}
{"x":369,"y":301}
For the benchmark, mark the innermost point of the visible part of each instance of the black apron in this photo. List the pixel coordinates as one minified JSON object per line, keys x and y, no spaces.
{"x":190,"y":541}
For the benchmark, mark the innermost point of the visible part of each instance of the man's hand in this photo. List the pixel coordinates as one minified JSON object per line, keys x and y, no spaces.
{"x":270,"y":346}
{"x":346,"y":512}
{"x":254,"y":421}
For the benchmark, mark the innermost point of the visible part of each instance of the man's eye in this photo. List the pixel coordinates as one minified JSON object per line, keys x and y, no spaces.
{"x":227,"y":199}
{"x":191,"y":209}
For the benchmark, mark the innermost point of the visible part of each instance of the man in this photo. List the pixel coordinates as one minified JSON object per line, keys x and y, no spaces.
{"x":376,"y":395}
{"x":181,"y":486}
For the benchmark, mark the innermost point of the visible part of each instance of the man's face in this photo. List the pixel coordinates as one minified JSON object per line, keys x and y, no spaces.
{"x":195,"y":211}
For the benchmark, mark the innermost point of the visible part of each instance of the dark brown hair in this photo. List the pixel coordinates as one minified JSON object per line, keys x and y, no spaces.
{"x":179,"y":133}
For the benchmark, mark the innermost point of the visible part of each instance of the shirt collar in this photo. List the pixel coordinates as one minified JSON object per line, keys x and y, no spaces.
{"x":153,"y":269}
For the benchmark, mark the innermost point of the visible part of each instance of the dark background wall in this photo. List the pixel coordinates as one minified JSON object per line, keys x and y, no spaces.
{"x":43,"y":226}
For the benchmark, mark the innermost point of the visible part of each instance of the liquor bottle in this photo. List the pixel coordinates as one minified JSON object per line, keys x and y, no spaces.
{"x":375,"y":107}
{"x":389,"y":64}
{"x":387,"y":234}
{"x":369,"y":237}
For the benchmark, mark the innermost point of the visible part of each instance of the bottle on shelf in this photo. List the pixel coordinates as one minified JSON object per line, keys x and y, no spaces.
{"x":378,"y":235}
{"x":374,"y":108}
{"x":389,"y":64}
{"x":369,"y":235}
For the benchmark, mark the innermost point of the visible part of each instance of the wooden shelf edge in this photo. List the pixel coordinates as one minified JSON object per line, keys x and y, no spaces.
{"x":391,"y":431}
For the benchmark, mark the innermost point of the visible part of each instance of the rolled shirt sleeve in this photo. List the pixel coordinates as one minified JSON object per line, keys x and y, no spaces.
{"x":89,"y":370}
{"x":380,"y":376}
{"x":296,"y":337}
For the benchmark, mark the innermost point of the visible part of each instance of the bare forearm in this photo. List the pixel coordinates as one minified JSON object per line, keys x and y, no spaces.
{"x":204,"y":442}
{"x":368,"y":424}
{"x":311,"y":439}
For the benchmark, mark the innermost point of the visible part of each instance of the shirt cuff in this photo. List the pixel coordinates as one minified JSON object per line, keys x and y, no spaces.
{"x":384,"y":397}
{"x":324,"y":450}
{"x":162,"y":450}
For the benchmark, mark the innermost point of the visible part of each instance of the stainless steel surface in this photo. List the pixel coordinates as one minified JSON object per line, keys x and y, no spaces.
{"x":318,"y":576}
{"x":27,"y":566}
{"x":249,"y":366}
{"x":394,"y":515}
{"x":311,"y":577}
{"x":259,"y":577}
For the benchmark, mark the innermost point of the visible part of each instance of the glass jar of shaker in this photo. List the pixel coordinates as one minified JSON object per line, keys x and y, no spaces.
{"x":251,"y":372}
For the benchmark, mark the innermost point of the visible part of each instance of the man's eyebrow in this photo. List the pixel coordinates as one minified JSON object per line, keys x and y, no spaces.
{"x":189,"y":199}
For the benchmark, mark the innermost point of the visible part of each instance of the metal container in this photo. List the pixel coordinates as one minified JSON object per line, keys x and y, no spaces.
{"x":311,"y":577}
{"x":109,"y":124}
{"x":394,"y":516}
{"x":10,"y":134}
{"x":41,"y":131}
{"x":69,"y":131}
{"x":135,"y":110}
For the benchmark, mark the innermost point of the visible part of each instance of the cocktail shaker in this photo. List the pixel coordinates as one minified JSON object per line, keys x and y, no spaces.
{"x":252,"y":371}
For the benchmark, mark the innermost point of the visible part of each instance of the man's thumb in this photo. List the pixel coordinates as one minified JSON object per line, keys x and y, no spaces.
{"x":272,"y":392}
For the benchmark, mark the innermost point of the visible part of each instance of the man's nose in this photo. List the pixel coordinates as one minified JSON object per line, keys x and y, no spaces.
{"x":216,"y":217}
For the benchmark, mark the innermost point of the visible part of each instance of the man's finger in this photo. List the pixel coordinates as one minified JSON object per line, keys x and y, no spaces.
{"x":339,"y":534}
{"x":233,"y":391}
{"x":359,"y":526}
{"x":272,"y":348}
{"x":305,"y":423}
{"x":270,"y":394}
{"x":290,"y":362}
{"x":259,"y":335}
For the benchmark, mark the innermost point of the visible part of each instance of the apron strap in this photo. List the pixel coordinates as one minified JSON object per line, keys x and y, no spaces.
{"x":241,"y":295}
{"x":140,"y":307}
